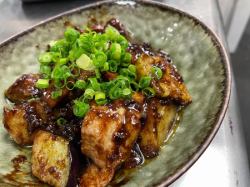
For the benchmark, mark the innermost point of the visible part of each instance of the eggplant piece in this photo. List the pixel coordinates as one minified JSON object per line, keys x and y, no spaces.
{"x":23,"y":89}
{"x":136,"y":158}
{"x":170,"y":85}
{"x":167,"y":114}
{"x":16,"y":124}
{"x":159,"y":118}
{"x":94,"y":176}
{"x":51,"y":159}
{"x":109,"y":132}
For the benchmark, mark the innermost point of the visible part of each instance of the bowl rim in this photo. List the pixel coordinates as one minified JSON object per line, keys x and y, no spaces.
{"x":165,"y":181}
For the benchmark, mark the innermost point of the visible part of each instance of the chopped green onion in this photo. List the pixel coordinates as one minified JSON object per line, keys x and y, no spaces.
{"x":122,"y":41}
{"x":112,"y":33}
{"x":100,"y":98}
{"x":45,"y":70}
{"x":80,"y":108}
{"x":61,"y":121}
{"x":126,"y":59}
{"x":99,"y":58}
{"x":126,"y":92}
{"x":115,"y":51}
{"x":42,"y":83}
{"x":60,"y":46}
{"x":56,"y":94}
{"x":134,"y":85}
{"x":45,"y":58}
{"x":89,"y":93}
{"x":113,"y":66}
{"x":115,"y":93}
{"x":150,"y":92}
{"x":80,"y":84}
{"x":70,"y":85}
{"x":71,"y":34}
{"x":62,"y":61}
{"x":157,"y":72}
{"x":144,"y":82}
{"x":85,"y":63}
{"x":105,"y":66}
{"x":95,"y":85}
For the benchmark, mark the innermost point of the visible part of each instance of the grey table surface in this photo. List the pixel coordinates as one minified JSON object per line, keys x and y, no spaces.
{"x":224,"y":163}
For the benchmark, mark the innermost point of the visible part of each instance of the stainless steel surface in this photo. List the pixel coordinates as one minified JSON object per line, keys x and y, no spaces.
{"x":224,"y":163}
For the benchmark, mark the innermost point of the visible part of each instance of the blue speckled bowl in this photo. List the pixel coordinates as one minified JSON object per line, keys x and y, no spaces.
{"x":195,"y":50}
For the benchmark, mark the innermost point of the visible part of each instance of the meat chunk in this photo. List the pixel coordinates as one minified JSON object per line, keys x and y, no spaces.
{"x":16,"y":124}
{"x":51,"y":159}
{"x":96,"y":177}
{"x":52,"y":102}
{"x":23,"y":89}
{"x":170,"y":84}
{"x":158,"y":121}
{"x":109,"y":133}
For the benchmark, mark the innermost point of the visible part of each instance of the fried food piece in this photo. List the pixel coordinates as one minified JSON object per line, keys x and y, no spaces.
{"x":109,"y":133}
{"x":16,"y":124}
{"x":170,"y":84}
{"x":23,"y":89}
{"x":51,"y":159}
{"x":51,"y":102}
{"x":96,"y":177}
{"x":158,"y":121}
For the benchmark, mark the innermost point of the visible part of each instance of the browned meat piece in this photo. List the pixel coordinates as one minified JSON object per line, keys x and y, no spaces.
{"x":158,"y":121}
{"x":51,"y":160}
{"x":109,"y":132}
{"x":16,"y":124}
{"x":96,"y":177}
{"x":47,"y":97}
{"x":170,"y":85}
{"x":23,"y":88}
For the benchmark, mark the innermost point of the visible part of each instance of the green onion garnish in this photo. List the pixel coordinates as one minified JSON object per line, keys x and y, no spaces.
{"x":150,"y":92}
{"x":68,"y":59}
{"x":80,"y":108}
{"x":89,"y":94}
{"x":56,"y":94}
{"x":157,"y":72}
{"x":85,"y":63}
{"x":71,"y":34}
{"x":115,"y":51}
{"x":45,"y":58}
{"x":81,"y":84}
{"x":144,"y":82}
{"x":61,"y":121}
{"x":100,"y":98}
{"x":42,"y":83}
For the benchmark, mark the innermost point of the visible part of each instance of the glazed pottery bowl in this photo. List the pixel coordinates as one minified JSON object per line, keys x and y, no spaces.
{"x":195,"y":50}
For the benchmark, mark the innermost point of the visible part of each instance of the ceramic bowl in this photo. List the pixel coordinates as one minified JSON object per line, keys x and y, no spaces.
{"x":195,"y":50}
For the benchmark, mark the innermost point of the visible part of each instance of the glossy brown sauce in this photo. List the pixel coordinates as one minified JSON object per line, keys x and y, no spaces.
{"x":137,"y":160}
{"x":72,"y":130}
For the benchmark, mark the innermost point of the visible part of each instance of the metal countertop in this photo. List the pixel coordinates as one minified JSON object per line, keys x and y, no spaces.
{"x":224,"y":163}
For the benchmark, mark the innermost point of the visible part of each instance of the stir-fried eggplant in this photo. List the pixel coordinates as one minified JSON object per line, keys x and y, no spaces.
{"x":159,"y":118}
{"x":170,"y":85}
{"x":98,"y":98}
{"x":51,"y":160}
{"x":16,"y":124}
{"x":23,"y":89}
